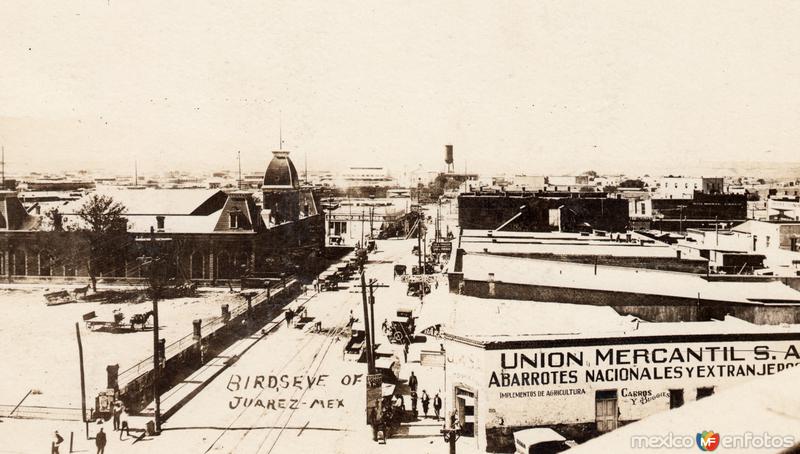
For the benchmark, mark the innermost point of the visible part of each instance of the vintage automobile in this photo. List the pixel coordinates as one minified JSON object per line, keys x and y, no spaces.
{"x":540,"y":440}
{"x":417,"y":289}
{"x":400,"y":270}
{"x":329,"y":281}
{"x":402,"y":326}
{"x":355,"y":344}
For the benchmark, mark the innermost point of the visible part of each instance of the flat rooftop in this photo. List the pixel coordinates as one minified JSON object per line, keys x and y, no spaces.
{"x":496,"y":320}
{"x":525,"y":271}
{"x":562,"y":243}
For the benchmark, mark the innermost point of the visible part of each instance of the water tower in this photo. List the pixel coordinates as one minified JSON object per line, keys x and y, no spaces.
{"x":448,"y":158}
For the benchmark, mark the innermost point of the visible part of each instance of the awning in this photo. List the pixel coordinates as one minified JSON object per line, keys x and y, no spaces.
{"x":387,"y":389}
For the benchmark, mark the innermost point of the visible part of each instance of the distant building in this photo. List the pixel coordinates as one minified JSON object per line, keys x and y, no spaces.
{"x":541,"y":211}
{"x":783,"y":209}
{"x":684,"y":187}
{"x":58,"y":184}
{"x":569,"y":183}
{"x":529,"y":183}
{"x":354,"y":221}
{"x":370,"y":176}
{"x":701,"y":211}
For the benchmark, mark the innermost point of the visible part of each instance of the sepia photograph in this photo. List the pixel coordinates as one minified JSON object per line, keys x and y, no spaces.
{"x":275,"y":227}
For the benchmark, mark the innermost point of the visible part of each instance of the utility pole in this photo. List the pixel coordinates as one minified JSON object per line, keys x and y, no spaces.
{"x":156,"y":354}
{"x":156,"y":283}
{"x":370,"y":321}
{"x":370,"y":335}
{"x":371,"y":215}
{"x":419,"y":242}
{"x":83,"y":380}
{"x":362,"y":227}
{"x":239,"y":159}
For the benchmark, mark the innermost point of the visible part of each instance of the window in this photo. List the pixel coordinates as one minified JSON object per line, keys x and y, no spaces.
{"x":704,"y":392}
{"x":234,"y":219}
{"x":675,"y":398}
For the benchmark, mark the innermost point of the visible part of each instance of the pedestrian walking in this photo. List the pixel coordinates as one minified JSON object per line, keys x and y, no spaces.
{"x":437,"y":405}
{"x":289,"y":316}
{"x":414,"y":403}
{"x":57,"y":440}
{"x":412,"y":381}
{"x":116,"y":414}
{"x":405,"y":354}
{"x":100,"y":441}
{"x":385,"y":326}
{"x":124,"y":424}
{"x":426,"y":400}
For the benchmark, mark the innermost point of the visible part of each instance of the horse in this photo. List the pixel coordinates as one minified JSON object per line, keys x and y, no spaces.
{"x":140,"y":319}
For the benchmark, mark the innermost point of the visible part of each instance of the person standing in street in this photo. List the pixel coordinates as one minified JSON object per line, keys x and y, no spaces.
{"x":414,"y":403}
{"x":412,"y":382}
{"x":437,"y":405}
{"x":123,"y":425}
{"x":100,"y":441}
{"x":117,"y":414}
{"x":58,"y":439}
{"x":426,"y":400}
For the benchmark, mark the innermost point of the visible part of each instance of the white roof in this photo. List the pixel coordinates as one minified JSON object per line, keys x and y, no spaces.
{"x":764,"y":405}
{"x":150,"y":201}
{"x":477,"y":267}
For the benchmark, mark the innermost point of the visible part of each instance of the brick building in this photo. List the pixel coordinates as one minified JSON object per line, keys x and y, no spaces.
{"x":214,"y":236}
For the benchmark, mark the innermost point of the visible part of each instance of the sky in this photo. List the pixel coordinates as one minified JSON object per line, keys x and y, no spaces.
{"x":532,"y":87}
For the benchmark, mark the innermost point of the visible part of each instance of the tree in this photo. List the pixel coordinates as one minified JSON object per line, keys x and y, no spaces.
{"x":591,"y":173}
{"x":632,"y":184}
{"x":105,"y":224}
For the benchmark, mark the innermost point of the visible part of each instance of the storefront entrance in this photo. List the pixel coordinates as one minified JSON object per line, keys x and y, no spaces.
{"x":465,"y":405}
{"x":606,"y":413}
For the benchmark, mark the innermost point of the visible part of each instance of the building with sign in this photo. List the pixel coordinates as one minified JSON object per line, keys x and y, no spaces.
{"x":584,"y":370}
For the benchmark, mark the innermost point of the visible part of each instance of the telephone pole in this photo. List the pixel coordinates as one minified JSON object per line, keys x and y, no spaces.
{"x":155,"y":260}
{"x":156,"y":352}
{"x":83,"y":380}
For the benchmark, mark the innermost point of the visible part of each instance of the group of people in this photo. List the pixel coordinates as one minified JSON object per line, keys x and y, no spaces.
{"x":425,"y":399}
{"x":119,"y":418}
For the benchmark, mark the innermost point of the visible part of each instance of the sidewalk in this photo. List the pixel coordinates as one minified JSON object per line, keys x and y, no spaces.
{"x":175,"y":398}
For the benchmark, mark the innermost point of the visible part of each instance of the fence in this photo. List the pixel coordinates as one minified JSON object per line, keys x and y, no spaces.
{"x":40,"y":412}
{"x":209,"y":327}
